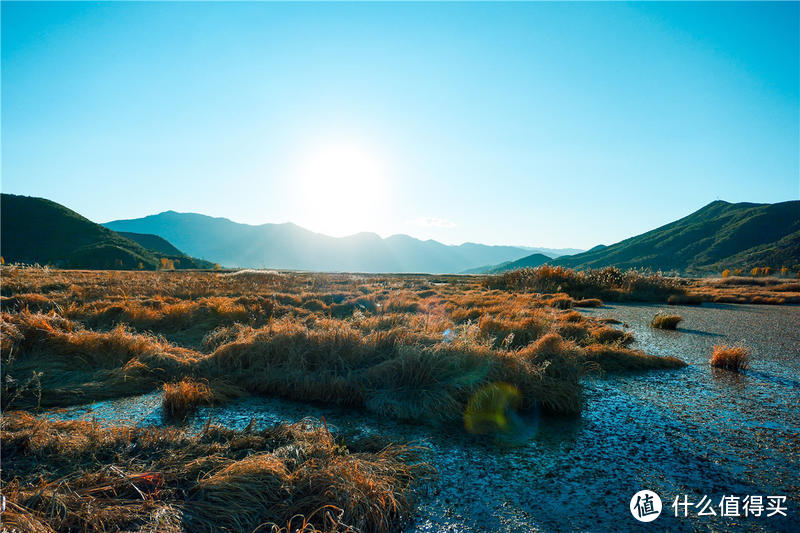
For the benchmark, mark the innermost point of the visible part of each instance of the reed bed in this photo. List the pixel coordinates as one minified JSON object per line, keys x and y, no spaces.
{"x":608,"y":283}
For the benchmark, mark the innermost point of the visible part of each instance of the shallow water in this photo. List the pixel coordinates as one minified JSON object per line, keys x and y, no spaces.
{"x":690,"y":432}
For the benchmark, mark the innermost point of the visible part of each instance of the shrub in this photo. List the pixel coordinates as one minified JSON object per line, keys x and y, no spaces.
{"x":726,"y":273}
{"x":666,"y":321}
{"x":734,"y":358}
{"x":166,"y":264}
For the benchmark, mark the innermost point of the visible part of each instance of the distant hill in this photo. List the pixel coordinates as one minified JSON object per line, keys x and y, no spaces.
{"x":291,"y":247}
{"x":553,"y":252}
{"x":152,"y":242}
{"x":36,"y":230}
{"x":531,"y":261}
{"x":718,"y":236}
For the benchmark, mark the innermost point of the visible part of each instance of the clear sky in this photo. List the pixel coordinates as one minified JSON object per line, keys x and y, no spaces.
{"x":541,"y":124}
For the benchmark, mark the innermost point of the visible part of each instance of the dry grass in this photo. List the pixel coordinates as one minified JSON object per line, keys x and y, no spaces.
{"x":184,"y":397}
{"x":588,"y":287}
{"x":740,"y":290}
{"x":734,"y":358}
{"x":409,"y":347}
{"x":589,"y":302}
{"x":608,"y":283}
{"x":79,"y":476}
{"x":618,"y":358}
{"x":74,"y":364}
{"x":610,"y":335}
{"x":666,"y":321}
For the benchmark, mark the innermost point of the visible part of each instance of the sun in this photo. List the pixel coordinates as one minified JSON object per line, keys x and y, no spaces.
{"x":340,"y":189}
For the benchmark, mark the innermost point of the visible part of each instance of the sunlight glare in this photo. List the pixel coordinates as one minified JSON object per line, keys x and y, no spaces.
{"x":340,"y":189}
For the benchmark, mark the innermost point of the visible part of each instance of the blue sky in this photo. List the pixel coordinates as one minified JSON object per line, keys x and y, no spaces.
{"x":541,"y":124}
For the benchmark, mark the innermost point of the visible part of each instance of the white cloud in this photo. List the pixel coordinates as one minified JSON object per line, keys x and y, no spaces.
{"x":432,"y":222}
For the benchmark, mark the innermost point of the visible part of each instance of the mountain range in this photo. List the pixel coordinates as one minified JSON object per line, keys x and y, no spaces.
{"x":36,"y":230}
{"x":718,"y":236}
{"x":288,"y":246}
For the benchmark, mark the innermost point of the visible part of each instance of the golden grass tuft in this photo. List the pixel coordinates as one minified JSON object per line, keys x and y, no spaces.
{"x":182,"y":398}
{"x":560,"y":301}
{"x":620,"y":359}
{"x":666,"y":321}
{"x":514,"y":332}
{"x":611,"y":335}
{"x":734,"y":358}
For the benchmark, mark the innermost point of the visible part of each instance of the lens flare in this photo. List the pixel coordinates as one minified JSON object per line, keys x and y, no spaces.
{"x":491,"y":409}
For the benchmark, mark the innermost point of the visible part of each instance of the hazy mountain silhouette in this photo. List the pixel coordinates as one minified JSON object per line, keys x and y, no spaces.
{"x":291,"y":247}
{"x":36,"y":230}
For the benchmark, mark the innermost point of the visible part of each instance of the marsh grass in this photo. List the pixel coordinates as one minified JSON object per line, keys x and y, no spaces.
{"x":407,"y":347}
{"x":589,"y":302}
{"x":76,"y":364}
{"x":611,"y":335}
{"x":739,"y":289}
{"x":79,"y":476}
{"x":183,"y":397}
{"x":734,"y":358}
{"x":666,"y":321}
{"x":621,"y":359}
{"x":588,"y":288}
{"x":608,"y":283}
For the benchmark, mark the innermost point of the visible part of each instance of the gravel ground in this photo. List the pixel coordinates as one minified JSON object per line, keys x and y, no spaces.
{"x":690,"y":432}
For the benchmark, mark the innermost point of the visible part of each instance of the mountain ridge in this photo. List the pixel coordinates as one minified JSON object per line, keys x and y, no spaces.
{"x":717,"y":236}
{"x":38,"y":230}
{"x":530,"y":261}
{"x":289,"y":246}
